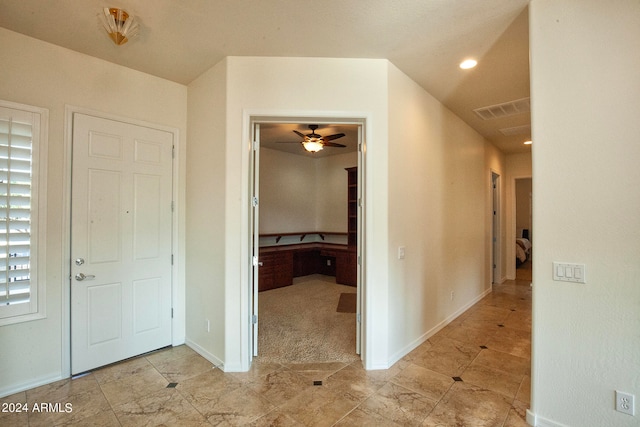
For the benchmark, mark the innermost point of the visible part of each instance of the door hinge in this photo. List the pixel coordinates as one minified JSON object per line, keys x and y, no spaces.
{"x":173,"y":206}
{"x":171,"y":259}
{"x":360,"y":202}
{"x":173,"y":151}
{"x":359,"y":260}
{"x":358,"y":318}
{"x":172,"y":312}
{"x":254,"y":201}
{"x":254,"y":145}
{"x":254,"y":319}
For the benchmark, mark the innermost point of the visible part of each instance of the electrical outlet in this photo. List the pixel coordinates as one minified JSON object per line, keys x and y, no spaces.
{"x":208,"y":325}
{"x":401,"y":252}
{"x":451,"y":295}
{"x":625,"y":403}
{"x":329,"y":262}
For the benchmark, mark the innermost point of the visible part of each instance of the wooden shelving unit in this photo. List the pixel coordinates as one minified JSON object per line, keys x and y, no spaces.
{"x":302,"y":234}
{"x":352,"y":206}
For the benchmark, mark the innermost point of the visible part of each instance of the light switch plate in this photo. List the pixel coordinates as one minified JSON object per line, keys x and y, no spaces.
{"x":568,"y":272}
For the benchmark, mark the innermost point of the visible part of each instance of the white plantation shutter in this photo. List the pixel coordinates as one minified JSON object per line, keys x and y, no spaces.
{"x":20,"y":135}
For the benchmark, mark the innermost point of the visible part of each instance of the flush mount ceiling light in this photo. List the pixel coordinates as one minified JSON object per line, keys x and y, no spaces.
{"x":119,"y":24}
{"x":468,"y":63}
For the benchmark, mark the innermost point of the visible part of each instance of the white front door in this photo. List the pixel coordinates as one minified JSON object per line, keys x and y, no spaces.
{"x":121,"y":257}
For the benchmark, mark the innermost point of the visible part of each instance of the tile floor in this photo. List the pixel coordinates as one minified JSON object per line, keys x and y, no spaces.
{"x":475,"y":372}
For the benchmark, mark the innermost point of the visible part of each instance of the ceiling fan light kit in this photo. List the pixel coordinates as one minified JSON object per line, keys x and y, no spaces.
{"x":312,"y":146}
{"x":119,"y":25}
{"x":313,"y":142}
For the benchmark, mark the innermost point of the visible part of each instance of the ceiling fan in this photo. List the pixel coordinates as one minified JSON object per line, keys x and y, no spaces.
{"x":313,"y":142}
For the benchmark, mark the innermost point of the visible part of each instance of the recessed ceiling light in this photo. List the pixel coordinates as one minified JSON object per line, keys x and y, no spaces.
{"x":528,"y":142}
{"x":468,"y":63}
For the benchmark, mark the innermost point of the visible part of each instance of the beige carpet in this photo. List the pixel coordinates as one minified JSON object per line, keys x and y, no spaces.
{"x":300,"y":324}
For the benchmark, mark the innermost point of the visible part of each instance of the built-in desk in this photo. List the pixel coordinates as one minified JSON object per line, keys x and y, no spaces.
{"x":280,"y":264}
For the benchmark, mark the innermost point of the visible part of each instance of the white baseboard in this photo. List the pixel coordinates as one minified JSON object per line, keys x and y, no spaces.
{"x":36,"y":382}
{"x":431,"y":332}
{"x":204,"y":353}
{"x":538,"y":421}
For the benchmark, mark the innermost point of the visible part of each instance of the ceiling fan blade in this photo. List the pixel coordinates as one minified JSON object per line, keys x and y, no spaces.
{"x":332,"y":144}
{"x":332,"y":137}
{"x":301,"y":135}
{"x":287,"y":142}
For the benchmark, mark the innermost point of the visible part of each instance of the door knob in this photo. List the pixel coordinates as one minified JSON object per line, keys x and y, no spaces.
{"x":79,"y":261}
{"x":80,"y":277}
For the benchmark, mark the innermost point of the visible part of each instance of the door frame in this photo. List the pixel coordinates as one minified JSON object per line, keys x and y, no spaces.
{"x":178,"y":322}
{"x":255,"y":117}
{"x":495,"y":183}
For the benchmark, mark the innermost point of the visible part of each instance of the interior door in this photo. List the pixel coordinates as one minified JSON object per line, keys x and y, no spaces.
{"x":255,"y":233}
{"x":121,"y":257}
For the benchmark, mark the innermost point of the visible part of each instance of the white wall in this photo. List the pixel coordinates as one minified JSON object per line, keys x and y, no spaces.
{"x":331,"y":191}
{"x":287,"y":192}
{"x":438,"y":186}
{"x":284,"y":86}
{"x":48,"y":76}
{"x":301,"y":194}
{"x":585,"y":104}
{"x":205,"y":195}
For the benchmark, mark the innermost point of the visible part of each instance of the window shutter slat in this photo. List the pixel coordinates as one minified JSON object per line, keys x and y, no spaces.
{"x":16,"y":213}
{"x":16,"y":176}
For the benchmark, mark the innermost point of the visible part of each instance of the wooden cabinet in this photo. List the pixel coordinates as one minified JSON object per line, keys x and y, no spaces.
{"x":281,"y":264}
{"x":347,"y":267}
{"x":276,"y":270}
{"x":306,"y":262}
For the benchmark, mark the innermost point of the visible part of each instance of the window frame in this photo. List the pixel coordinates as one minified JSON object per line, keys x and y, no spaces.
{"x":36,"y":307}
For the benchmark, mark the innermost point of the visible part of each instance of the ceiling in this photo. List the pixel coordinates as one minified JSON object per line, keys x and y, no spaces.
{"x":426,"y":39}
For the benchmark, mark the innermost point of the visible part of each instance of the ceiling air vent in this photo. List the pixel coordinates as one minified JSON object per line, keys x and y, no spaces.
{"x":516,"y":130}
{"x":505,"y":109}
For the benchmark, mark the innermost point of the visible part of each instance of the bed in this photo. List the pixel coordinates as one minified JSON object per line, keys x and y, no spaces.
{"x":523,"y":249}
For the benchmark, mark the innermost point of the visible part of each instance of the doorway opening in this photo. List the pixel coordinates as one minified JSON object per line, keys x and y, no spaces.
{"x":307,"y":228}
{"x":524,"y":231}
